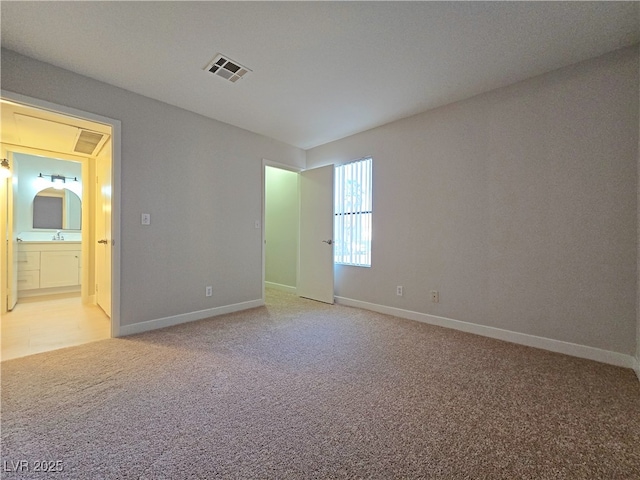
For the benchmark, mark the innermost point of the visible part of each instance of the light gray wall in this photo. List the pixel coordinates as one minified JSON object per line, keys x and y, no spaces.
{"x":198,"y":178}
{"x":281,"y":226}
{"x":519,"y":206}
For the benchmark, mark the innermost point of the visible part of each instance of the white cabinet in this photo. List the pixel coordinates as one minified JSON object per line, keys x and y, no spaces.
{"x":28,"y":280}
{"x":59,"y":268}
{"x":48,"y":267}
{"x":28,"y":260}
{"x":28,"y":270}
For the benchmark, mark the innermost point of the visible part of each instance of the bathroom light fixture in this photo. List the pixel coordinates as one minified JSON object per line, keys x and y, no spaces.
{"x":5,"y":171}
{"x":58,"y":180}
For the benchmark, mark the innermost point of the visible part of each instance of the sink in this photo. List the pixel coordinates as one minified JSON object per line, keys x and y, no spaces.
{"x":49,"y":237}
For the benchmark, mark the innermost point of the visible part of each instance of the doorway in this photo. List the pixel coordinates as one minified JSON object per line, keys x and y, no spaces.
{"x":298,"y":230}
{"x":281,"y":227}
{"x":36,"y":128}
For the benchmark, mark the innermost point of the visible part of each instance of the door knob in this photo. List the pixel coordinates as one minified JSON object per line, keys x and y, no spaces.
{"x":105,"y":241}
{"x":328,"y":241}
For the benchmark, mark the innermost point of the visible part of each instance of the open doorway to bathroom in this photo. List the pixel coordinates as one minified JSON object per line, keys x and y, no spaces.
{"x":56,"y":211}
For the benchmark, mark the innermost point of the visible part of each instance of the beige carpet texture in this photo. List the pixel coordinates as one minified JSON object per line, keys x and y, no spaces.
{"x":304,"y":390}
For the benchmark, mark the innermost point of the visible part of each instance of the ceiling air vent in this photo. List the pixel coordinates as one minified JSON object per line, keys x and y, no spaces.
{"x":228,"y":69}
{"x":87,"y":141}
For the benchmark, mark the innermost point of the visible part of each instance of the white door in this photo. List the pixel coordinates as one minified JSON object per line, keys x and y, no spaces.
{"x":103,"y":231}
{"x":4,"y":291}
{"x":9,"y":237}
{"x":315,"y":279}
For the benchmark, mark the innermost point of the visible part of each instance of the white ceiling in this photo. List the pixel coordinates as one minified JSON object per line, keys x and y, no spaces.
{"x":321,"y":70}
{"x":48,"y":132}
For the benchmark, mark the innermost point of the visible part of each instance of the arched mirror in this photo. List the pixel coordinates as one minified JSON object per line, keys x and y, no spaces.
{"x":57,"y":209}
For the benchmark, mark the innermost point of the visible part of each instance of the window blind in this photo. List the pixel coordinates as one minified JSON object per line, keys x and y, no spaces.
{"x":353,"y":213}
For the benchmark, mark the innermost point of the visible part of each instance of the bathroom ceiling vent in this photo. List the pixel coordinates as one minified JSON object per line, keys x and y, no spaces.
{"x":88,"y":142}
{"x":228,"y":69}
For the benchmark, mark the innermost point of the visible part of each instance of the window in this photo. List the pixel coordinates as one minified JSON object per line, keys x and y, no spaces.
{"x":353,"y":205}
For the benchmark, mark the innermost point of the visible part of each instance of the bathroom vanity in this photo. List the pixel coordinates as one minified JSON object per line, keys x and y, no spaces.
{"x":48,"y":267}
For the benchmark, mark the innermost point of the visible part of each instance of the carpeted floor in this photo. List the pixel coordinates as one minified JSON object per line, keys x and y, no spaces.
{"x":300,"y":389}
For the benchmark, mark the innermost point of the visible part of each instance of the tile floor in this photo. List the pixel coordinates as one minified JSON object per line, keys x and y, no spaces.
{"x":40,"y":324}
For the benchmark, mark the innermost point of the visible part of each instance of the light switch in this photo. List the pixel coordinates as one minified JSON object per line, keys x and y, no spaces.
{"x":145,"y":219}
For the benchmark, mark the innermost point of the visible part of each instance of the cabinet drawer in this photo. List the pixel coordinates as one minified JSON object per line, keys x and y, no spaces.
{"x":28,"y":280}
{"x":28,"y":261}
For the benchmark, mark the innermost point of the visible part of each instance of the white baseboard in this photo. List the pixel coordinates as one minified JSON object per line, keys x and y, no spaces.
{"x":186,"y":317}
{"x":558,"y":346}
{"x":39,"y":292}
{"x":279,"y":286}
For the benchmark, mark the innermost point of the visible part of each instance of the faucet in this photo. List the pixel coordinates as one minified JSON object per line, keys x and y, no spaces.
{"x":57,"y":236}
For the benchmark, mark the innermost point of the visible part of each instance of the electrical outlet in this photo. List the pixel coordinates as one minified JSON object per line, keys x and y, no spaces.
{"x":208,"y":291}
{"x":145,"y":219}
{"x":435,"y":296}
{"x":399,"y":290}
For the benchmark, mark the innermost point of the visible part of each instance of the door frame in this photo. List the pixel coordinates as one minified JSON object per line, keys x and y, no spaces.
{"x":116,"y":154}
{"x":84,"y":176}
{"x":282,"y":166}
